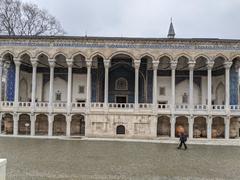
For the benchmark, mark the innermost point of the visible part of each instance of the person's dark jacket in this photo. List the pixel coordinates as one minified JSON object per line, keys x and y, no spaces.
{"x":183,"y":138}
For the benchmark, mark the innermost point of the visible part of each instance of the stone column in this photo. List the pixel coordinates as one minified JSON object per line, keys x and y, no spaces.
{"x":15,"y":124}
{"x":210,"y":66}
{"x":34,"y":80}
{"x":1,"y":71}
{"x":155,"y":84}
{"x":227,"y":126}
{"x":33,"y":120}
{"x":173,"y":122}
{"x":227,"y":66}
{"x":50,"y":124}
{"x":68,"y":130}
{"x":69,"y":89}
{"x":209,"y":127}
{"x":1,"y":118}
{"x":17,"y":73}
{"x":191,"y":69}
{"x":173,"y":67}
{"x":136,"y":66}
{"x":106,"y":65}
{"x":190,"y":127}
{"x":89,"y":66}
{"x":51,"y":64}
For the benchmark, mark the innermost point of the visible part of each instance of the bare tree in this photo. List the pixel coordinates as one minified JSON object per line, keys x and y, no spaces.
{"x":17,"y":18}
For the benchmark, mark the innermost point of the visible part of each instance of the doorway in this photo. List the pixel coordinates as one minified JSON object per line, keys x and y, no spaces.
{"x":121,"y":99}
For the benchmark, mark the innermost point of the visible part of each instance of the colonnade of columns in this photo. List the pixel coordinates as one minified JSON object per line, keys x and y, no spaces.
{"x":34,"y":62}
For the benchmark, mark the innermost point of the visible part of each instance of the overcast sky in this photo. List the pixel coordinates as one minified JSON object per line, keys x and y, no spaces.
{"x":147,"y":18}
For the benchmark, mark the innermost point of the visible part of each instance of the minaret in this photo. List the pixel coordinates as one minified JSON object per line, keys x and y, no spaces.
{"x":171,"y":32}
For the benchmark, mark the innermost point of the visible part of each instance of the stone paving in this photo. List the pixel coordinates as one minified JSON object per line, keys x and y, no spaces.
{"x":45,"y":159}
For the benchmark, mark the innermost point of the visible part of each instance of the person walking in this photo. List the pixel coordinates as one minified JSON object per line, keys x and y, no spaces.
{"x":183,"y":139}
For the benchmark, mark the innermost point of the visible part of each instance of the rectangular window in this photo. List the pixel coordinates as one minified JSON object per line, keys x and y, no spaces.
{"x":81,"y":89}
{"x":58,"y":96}
{"x":162,"y":91}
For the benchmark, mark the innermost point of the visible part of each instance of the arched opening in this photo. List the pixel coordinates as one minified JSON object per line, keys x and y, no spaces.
{"x":121,"y":67}
{"x":181,"y":125}
{"x":200,"y":127}
{"x":25,"y":78}
{"x":218,"y":79}
{"x":79,"y":76}
{"x":8,"y":78}
{"x":164,"y":76}
{"x":163,"y":126}
{"x":7,"y":124}
{"x":234,"y":130}
{"x":24,"y":124}
{"x":41,"y":124}
{"x":218,"y":127}
{"x":78,"y":125}
{"x":43,"y":70}
{"x":120,"y":129}
{"x":98,"y":79}
{"x":182,"y":80}
{"x":59,"y":125}
{"x":200,"y":81}
{"x":23,"y":90}
{"x":220,"y":94}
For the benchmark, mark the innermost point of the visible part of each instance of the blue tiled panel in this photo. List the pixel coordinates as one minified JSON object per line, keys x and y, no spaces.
{"x":233,"y":86}
{"x":11,"y":82}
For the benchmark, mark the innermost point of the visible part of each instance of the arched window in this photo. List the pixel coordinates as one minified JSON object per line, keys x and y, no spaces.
{"x":121,"y":84}
{"x":120,"y":129}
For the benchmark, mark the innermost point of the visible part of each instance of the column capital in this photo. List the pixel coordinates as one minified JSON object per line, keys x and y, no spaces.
{"x":227,"y":65}
{"x":210,"y":65}
{"x":191,"y":65}
{"x":17,"y":62}
{"x":173,"y":65}
{"x":137,"y":63}
{"x":34,"y":62}
{"x":89,"y":63}
{"x":51,"y":63}
{"x":69,"y":62}
{"x":155,"y":65}
{"x":106,"y":63}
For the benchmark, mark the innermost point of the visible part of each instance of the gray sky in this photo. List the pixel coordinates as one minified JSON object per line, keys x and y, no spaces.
{"x":147,"y":18}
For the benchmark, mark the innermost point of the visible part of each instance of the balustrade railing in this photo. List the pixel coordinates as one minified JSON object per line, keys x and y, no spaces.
{"x":145,"y":106}
{"x":59,"y":105}
{"x":97,"y":105}
{"x":24,"y":104}
{"x":234,"y":107}
{"x":78,"y":105}
{"x":200,"y":107}
{"x":41,"y":104}
{"x":121,"y":105}
{"x":7,"y":104}
{"x":182,"y":107}
{"x":218,"y":107}
{"x":163,"y":106}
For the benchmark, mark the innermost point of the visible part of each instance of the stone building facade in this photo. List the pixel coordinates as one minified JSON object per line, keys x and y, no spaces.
{"x":119,"y":87}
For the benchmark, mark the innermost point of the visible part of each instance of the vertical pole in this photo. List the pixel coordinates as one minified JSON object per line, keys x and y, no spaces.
{"x":69,"y":89}
{"x":227,"y":66}
{"x":227,"y":126}
{"x":173,"y":121}
{"x":34,"y":79}
{"x":191,"y":68}
{"x":209,"y":127}
{"x":51,"y":64}
{"x":155,"y":85}
{"x":89,"y":65}
{"x":173,"y":67}
{"x":136,"y":65}
{"x":15,"y":124}
{"x":16,"y":93}
{"x":68,"y":130}
{"x":210,"y":66}
{"x":33,"y":120}
{"x":106,"y":65}
{"x":50,"y":125}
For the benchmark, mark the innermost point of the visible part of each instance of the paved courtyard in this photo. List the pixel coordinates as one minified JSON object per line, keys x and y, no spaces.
{"x":38,"y":159}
